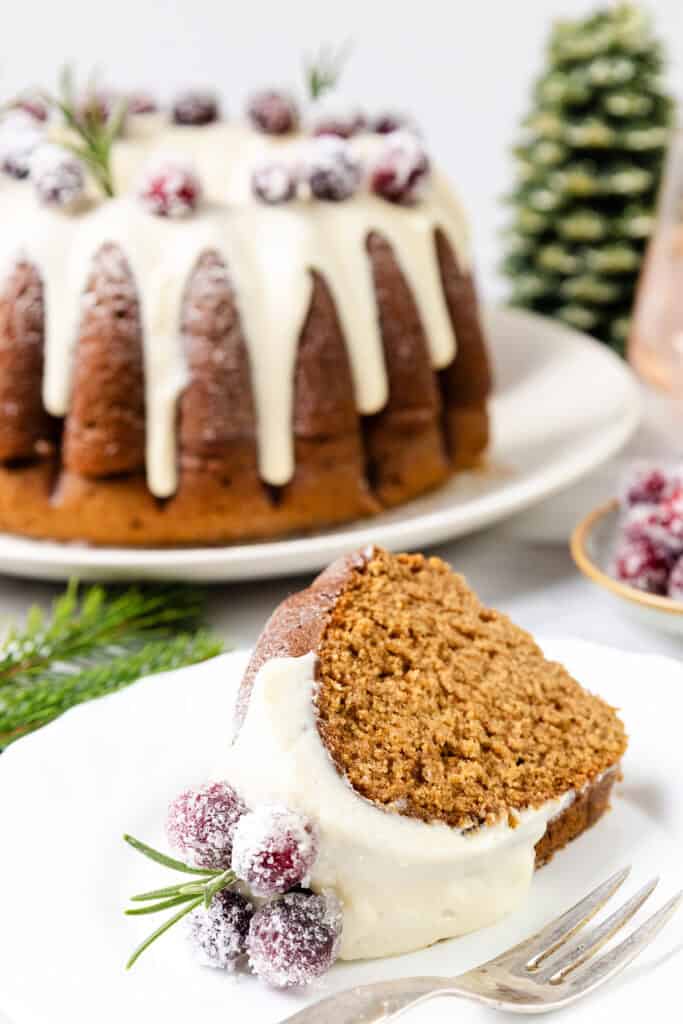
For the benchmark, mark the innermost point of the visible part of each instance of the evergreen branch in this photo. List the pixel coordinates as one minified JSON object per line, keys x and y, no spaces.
{"x":93,"y":644}
{"x":93,"y":130}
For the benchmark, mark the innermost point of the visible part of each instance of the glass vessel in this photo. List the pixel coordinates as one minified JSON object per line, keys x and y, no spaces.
{"x":655,"y":346}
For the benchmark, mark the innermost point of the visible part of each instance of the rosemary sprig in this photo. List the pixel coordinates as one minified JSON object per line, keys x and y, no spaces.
{"x":323,"y":70}
{"x":187,"y":895}
{"x":93,"y":131}
{"x":94,"y":643}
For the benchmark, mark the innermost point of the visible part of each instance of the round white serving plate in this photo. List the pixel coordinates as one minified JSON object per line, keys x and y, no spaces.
{"x":69,"y":791}
{"x":563,"y":405}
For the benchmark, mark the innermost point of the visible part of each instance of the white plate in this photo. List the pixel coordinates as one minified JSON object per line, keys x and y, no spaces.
{"x":563,"y":405}
{"x":68,"y":792}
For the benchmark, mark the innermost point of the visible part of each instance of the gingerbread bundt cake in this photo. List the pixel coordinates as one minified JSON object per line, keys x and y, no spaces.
{"x":269,"y":331}
{"x":441,"y":755}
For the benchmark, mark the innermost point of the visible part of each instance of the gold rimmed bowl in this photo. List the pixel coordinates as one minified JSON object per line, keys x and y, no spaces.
{"x":592,"y":545}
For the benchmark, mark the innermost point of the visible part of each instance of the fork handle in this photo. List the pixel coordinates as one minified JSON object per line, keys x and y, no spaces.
{"x":369,"y":1004}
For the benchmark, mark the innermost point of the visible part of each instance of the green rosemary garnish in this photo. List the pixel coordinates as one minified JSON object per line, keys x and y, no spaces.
{"x":187,"y":895}
{"x":92,"y":129}
{"x":94,"y":643}
{"x":323,"y":70}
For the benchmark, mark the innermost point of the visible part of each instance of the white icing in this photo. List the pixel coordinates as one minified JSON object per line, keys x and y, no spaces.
{"x":269,"y":252}
{"x":403,"y":883}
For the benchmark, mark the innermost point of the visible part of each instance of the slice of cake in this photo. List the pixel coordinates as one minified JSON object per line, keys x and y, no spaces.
{"x":440,"y":753}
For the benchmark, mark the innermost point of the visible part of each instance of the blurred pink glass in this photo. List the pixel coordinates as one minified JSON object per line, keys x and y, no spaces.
{"x":655,"y":347}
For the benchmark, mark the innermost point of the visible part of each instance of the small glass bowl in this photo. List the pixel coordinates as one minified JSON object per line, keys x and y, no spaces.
{"x":592,"y":543}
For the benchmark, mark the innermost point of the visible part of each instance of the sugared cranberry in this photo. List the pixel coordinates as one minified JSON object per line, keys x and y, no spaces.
{"x":195,"y":107}
{"x":273,"y":112}
{"x":170,"y":189}
{"x":273,"y":849}
{"x":660,"y":525}
{"x":392,"y":121}
{"x":675,"y":586}
{"x":57,"y":175}
{"x":294,"y":940}
{"x":646,"y":485}
{"x":274,"y":182}
{"x":330,"y":168}
{"x":33,"y":106}
{"x":141,"y":103}
{"x":333,"y":114}
{"x":19,"y":139}
{"x":639,"y":564}
{"x":219,"y":933}
{"x":401,"y":169}
{"x":201,"y":823}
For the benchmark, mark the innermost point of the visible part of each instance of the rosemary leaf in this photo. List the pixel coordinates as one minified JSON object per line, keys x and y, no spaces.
{"x":160,"y":931}
{"x":155,"y":908}
{"x":168,"y":862}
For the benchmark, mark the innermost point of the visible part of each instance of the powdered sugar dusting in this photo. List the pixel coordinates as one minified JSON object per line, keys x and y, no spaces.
{"x":296,"y":939}
{"x":170,"y":188}
{"x":274,"y":849}
{"x":201,"y":823}
{"x":58,"y":176}
{"x":218,"y":935}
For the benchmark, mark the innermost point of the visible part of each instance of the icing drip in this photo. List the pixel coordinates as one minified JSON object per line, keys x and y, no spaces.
{"x":403,"y":883}
{"x":270,"y":253}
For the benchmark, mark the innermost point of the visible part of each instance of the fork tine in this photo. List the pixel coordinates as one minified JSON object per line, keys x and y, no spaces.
{"x":592,"y":973}
{"x":532,"y":951}
{"x":559,"y":967}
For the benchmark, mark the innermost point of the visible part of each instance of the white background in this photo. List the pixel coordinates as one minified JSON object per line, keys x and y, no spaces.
{"x":464,"y":67}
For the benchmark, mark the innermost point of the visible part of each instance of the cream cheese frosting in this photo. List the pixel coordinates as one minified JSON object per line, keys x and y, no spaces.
{"x":270,"y":253}
{"x":403,"y":883}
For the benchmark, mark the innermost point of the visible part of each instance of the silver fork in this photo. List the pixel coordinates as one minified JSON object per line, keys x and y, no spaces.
{"x":536,"y":976}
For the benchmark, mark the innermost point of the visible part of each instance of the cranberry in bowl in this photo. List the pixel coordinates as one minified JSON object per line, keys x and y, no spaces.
{"x":632,"y":546}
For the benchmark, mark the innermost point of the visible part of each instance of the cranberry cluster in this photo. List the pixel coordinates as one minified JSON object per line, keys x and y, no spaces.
{"x":328,"y":168}
{"x":293,"y":936}
{"x":649,"y":549}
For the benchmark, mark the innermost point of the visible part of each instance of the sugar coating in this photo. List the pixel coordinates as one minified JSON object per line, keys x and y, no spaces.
{"x":273,"y":111}
{"x":201,"y":823}
{"x":196,"y":107}
{"x":641,"y":564}
{"x":647,"y":483}
{"x":274,"y":182}
{"x":20,"y":136}
{"x":330,"y":168}
{"x":294,"y":940}
{"x":333,"y":113}
{"x":401,"y":170}
{"x":218,"y":934}
{"x":58,"y":176}
{"x":170,"y":188}
{"x":274,"y":849}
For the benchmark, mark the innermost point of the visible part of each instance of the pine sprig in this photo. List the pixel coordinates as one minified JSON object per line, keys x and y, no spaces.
{"x":92,"y":130}
{"x":93,"y":644}
{"x":323,"y":70}
{"x":187,"y":895}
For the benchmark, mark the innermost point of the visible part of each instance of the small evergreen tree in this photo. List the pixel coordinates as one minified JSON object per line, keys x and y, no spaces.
{"x":588,"y":172}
